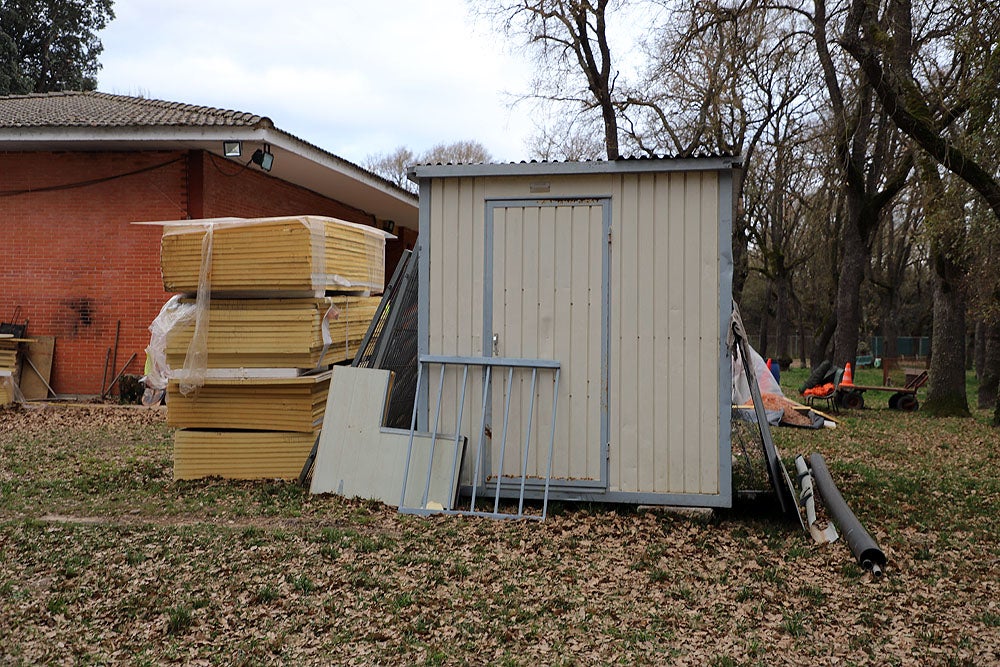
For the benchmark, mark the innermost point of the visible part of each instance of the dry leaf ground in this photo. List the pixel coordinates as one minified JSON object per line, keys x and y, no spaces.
{"x":104,"y":560}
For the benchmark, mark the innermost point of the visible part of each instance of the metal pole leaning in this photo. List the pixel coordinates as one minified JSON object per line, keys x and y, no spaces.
{"x":437,"y":419}
{"x":413,"y":428}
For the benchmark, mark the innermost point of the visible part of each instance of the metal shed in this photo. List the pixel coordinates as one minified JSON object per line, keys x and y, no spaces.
{"x":621,"y":272}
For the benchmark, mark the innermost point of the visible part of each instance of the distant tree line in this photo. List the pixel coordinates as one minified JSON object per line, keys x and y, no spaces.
{"x":869,"y":199}
{"x":393,"y":165}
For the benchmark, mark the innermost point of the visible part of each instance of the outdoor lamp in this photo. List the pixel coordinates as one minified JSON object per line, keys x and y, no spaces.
{"x":263,"y":157}
{"x":232,"y":148}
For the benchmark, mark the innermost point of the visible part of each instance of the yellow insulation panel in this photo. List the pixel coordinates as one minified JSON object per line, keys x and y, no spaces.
{"x":240,"y":454}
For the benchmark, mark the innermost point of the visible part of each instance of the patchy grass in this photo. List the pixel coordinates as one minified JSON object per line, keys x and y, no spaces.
{"x":104,"y":559}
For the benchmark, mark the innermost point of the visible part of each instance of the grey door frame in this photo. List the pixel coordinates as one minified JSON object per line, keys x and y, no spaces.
{"x":557,"y":484}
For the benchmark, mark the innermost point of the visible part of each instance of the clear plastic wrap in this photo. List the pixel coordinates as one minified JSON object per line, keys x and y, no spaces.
{"x":766,"y":381}
{"x":365,"y":243}
{"x":9,"y":391}
{"x":173,"y":314}
{"x":329,"y":240}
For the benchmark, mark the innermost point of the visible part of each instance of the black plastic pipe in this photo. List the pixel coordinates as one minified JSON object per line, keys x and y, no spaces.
{"x":863,"y":546}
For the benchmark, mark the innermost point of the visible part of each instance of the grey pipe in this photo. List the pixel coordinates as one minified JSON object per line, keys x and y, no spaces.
{"x":863,"y":546}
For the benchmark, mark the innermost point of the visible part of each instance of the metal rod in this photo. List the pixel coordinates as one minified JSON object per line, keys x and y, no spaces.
{"x":437,"y":421}
{"x":413,"y":428}
{"x":503,"y":440}
{"x":122,"y":371}
{"x":39,"y":374}
{"x":552,"y":443}
{"x":491,"y":361}
{"x":527,"y":441}
{"x":104,"y":378}
{"x":114,"y":356}
{"x":458,"y":432}
{"x":482,"y":440}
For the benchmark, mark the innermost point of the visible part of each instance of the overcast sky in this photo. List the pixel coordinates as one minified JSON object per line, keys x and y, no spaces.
{"x":352,"y":77}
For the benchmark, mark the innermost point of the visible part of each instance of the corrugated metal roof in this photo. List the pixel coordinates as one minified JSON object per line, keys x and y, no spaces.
{"x":95,"y":109}
{"x":624,"y":158}
{"x":543,"y":168}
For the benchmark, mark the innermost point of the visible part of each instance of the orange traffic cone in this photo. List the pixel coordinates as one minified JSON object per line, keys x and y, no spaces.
{"x":848,"y":378}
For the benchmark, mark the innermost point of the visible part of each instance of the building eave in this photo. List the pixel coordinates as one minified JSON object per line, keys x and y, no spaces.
{"x":295,"y":161}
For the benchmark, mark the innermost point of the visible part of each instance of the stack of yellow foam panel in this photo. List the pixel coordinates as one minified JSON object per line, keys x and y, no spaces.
{"x":307,"y":253}
{"x":278,"y":333}
{"x":262,"y":404}
{"x":287,"y":297}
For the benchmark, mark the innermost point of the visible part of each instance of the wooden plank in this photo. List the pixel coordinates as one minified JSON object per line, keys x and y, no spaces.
{"x":40,"y":353}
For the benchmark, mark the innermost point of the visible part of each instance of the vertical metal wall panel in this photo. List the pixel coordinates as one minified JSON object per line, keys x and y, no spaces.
{"x":660,"y":240}
{"x":708,"y":344}
{"x":455,"y":308}
{"x":665,"y":286}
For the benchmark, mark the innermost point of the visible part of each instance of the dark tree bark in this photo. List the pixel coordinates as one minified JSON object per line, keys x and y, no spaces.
{"x":946,"y":393}
{"x":821,"y":342}
{"x":866,"y":159}
{"x":989,"y":381}
{"x":945,"y":222}
{"x":783,"y":319}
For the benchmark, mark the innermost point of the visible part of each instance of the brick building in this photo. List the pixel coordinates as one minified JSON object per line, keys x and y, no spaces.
{"x":77,"y":168}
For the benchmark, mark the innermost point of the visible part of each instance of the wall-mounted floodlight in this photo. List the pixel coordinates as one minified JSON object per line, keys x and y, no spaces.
{"x":389,"y":225}
{"x":263,"y":158}
{"x":232,"y":148}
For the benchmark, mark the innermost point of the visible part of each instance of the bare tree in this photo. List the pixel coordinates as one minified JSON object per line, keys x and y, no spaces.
{"x":567,"y":138}
{"x":392,"y":166}
{"x":458,"y":152}
{"x":569,"y":38}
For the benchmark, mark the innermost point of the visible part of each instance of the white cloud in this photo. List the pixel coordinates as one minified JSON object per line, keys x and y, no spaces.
{"x":353,"y":78}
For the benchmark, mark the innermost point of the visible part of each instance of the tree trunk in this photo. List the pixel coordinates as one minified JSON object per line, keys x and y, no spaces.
{"x":852,"y":273}
{"x":989,"y":370}
{"x":740,"y":262}
{"x":946,"y":396}
{"x":765,"y":326}
{"x":822,"y":342}
{"x":979,"y":349}
{"x":783,"y":319}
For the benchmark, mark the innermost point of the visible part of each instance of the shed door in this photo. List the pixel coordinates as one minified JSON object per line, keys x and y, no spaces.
{"x":547,"y":278}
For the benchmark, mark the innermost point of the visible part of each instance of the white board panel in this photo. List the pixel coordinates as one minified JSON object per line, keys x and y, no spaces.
{"x":357,"y":458}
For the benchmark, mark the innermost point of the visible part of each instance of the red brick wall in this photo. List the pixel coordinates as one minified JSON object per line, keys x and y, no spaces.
{"x":252,"y":193}
{"x":76,"y":266}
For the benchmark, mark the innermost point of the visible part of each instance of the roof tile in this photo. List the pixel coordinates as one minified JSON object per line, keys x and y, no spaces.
{"x":95,"y":109}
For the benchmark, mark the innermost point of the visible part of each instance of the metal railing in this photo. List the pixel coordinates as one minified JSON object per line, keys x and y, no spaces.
{"x":479,"y":473}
